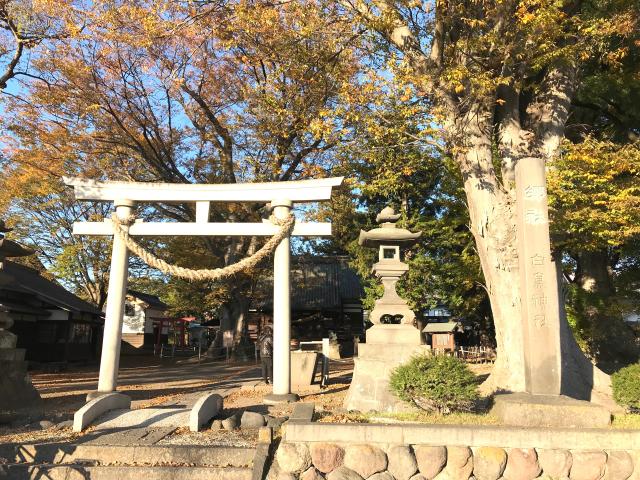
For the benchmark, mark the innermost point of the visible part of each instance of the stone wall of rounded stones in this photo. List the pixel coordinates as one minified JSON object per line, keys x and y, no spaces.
{"x":330,"y":461}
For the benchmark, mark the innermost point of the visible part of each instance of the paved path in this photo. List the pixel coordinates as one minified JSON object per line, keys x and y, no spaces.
{"x":174,"y":412}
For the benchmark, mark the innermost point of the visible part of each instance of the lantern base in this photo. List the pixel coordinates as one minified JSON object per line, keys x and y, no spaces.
{"x":18,"y":393}
{"x":387,"y":347}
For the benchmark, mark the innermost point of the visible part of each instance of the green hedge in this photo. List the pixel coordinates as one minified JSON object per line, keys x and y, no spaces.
{"x":435,"y":383}
{"x":626,"y":386}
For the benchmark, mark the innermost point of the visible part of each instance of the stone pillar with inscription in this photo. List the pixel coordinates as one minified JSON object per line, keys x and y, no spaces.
{"x":542,"y":403}
{"x":539,"y":292}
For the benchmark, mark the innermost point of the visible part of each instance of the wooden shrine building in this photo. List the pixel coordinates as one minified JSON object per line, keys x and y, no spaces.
{"x":52,"y":324}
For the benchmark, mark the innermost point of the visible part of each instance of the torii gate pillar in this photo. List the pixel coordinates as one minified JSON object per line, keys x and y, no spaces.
{"x":110,"y":357}
{"x":282,"y":313}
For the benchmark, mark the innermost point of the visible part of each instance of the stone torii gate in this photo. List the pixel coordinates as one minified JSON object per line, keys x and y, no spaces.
{"x":125,"y":195}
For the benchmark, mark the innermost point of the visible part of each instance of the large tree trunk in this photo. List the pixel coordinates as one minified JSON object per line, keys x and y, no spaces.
{"x":502,"y":283}
{"x":233,"y":317}
{"x":593,"y":272}
{"x":240,"y":311}
{"x":493,"y":224}
{"x":611,"y":339}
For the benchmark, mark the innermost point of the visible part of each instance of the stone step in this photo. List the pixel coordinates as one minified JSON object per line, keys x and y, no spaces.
{"x":206,"y":456}
{"x":78,"y":471}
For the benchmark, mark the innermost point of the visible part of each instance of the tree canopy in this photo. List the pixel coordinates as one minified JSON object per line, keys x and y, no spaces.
{"x":431,"y":106}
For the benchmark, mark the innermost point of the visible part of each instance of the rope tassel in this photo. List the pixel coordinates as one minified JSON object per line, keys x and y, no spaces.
{"x":286,"y":227}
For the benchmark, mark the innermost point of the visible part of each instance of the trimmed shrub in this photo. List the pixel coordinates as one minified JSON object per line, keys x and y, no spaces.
{"x":435,"y":383}
{"x":626,"y":387}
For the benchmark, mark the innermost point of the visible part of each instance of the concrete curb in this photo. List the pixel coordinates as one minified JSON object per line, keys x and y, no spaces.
{"x":469,"y":435}
{"x":66,"y":472}
{"x":207,"y":407}
{"x":97,"y":407}
{"x":153,"y":455}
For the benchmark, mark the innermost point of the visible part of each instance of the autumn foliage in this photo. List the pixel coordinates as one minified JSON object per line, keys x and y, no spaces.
{"x":431,"y":105}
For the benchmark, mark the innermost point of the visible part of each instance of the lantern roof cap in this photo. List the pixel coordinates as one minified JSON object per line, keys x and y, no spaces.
{"x":388,"y":233}
{"x":388,"y":214}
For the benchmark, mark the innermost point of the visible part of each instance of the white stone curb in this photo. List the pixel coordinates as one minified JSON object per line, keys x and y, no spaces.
{"x":204,"y":410}
{"x":97,"y":407}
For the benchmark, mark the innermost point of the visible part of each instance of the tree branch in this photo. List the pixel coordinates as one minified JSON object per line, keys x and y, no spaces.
{"x":549,"y":111}
{"x":226,"y":144}
{"x":9,"y":72}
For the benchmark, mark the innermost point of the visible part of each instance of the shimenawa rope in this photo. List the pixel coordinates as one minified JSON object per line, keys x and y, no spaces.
{"x":286,"y":227}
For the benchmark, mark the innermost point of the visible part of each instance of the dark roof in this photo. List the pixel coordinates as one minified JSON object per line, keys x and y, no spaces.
{"x":317,"y":283}
{"x":151,"y":300}
{"x":27,"y":280}
{"x":20,"y":307}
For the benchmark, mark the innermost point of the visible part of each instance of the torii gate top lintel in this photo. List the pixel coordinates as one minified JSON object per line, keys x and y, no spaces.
{"x":127,"y":194}
{"x":297,"y":191}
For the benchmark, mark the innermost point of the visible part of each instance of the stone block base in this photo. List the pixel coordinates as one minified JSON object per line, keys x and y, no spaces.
{"x":526,"y":410}
{"x":95,"y":394}
{"x":369,"y":388}
{"x":395,"y":354}
{"x":387,"y":347}
{"x":16,"y":391}
{"x":303,"y":367}
{"x":205,"y":408}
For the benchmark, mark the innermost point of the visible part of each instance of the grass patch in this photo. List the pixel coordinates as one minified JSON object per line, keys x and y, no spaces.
{"x":455,"y":418}
{"x":629,"y":421}
{"x":626,"y":420}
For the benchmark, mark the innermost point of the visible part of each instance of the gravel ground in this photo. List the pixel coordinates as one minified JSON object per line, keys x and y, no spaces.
{"x":32,"y":434}
{"x":152,"y":381}
{"x":329,"y":399}
{"x":219,"y":438}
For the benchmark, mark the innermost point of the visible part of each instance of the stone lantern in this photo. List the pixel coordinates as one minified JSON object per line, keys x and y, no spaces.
{"x":389,"y":269}
{"x":393,"y":339}
{"x":8,"y":248}
{"x":15,"y":384}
